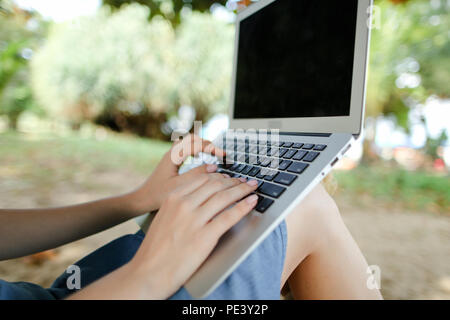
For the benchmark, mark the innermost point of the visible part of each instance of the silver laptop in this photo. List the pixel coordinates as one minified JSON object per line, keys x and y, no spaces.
{"x":297,"y":103}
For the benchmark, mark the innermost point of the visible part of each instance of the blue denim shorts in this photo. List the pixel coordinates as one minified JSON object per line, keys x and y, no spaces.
{"x":258,"y":277}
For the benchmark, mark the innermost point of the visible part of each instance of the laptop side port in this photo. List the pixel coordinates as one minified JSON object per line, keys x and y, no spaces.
{"x":334,"y":161}
{"x":346,"y":149}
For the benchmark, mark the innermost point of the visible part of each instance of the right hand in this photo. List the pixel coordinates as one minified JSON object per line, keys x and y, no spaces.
{"x":187,"y":228}
{"x":165,"y":177}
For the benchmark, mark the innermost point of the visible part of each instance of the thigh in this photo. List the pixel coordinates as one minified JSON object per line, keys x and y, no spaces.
{"x":257,"y":277}
{"x":307,"y":228}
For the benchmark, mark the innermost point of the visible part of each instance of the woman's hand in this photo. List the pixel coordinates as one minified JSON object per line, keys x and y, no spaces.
{"x":188,"y":226}
{"x":165,"y":177}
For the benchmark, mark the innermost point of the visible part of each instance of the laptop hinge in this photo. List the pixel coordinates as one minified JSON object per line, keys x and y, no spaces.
{"x":307,"y":134}
{"x":284,"y":133}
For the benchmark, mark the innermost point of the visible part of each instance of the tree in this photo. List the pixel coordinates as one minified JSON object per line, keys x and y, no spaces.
{"x":119,"y":69}
{"x":168,"y":9}
{"x":204,"y":51}
{"x":409,"y":58}
{"x":21,"y":32}
{"x":114,"y":64}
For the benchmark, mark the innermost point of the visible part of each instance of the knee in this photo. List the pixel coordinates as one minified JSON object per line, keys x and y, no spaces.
{"x":310,"y":227}
{"x":319,"y":213}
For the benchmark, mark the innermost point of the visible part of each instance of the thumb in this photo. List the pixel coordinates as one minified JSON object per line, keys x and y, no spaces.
{"x":206,"y":168}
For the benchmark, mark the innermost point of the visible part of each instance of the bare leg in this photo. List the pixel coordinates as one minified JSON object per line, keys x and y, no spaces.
{"x":322,"y":260}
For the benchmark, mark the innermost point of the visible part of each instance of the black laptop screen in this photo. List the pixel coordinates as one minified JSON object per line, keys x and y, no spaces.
{"x":295,"y":59}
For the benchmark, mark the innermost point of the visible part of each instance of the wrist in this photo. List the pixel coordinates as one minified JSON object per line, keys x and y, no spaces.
{"x":132,"y":204}
{"x":150,"y":280}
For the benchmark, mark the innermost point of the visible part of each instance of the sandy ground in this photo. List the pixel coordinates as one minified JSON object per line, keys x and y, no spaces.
{"x":412,"y":249}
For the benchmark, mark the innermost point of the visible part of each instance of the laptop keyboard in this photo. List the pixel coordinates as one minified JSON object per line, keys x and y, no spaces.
{"x":275,"y":165}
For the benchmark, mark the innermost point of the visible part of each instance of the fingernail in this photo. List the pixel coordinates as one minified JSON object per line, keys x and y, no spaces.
{"x":211,"y":168}
{"x":252,"y":183}
{"x":242,"y":179}
{"x":225,"y":175}
{"x":252,"y":199}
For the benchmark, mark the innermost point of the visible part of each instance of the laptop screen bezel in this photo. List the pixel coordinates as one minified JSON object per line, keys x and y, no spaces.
{"x":345,"y":124}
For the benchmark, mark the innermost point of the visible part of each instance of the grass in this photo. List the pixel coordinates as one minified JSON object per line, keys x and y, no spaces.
{"x":35,"y":165}
{"x":395,"y":187}
{"x":115,"y":151}
{"x":44,"y":161}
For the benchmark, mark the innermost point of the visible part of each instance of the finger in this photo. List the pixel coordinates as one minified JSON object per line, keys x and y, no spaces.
{"x":191,"y":145}
{"x":186,"y":179}
{"x":206,"y":168}
{"x":222,"y":200}
{"x":230,"y":217}
{"x":207,"y":190}
{"x":209,"y":147}
{"x":187,"y":186}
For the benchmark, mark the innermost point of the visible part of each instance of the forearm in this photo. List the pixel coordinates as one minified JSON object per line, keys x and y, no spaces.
{"x":129,"y":282}
{"x":26,"y":231}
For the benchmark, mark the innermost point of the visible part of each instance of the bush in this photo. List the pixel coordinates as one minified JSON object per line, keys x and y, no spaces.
{"x":17,"y":41}
{"x":204,"y":54}
{"x":119,"y":67}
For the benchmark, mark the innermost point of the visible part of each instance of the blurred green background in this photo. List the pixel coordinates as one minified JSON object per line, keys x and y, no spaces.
{"x":91,"y":90}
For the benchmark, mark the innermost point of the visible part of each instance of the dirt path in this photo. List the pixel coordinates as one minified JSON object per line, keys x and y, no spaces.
{"x":412,"y":249}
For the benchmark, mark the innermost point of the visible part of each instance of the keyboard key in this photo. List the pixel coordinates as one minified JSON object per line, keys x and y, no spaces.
{"x":275,"y":163}
{"x":234,"y":166}
{"x":253,"y":149}
{"x":285,"y":178}
{"x":246,"y":170}
{"x":240,"y":157}
{"x":260,"y":175}
{"x":263,"y":204}
{"x":239,"y":168}
{"x":284,"y":164}
{"x":311,"y":156}
{"x":274,"y":152}
{"x":230,"y":146}
{"x":262,"y":151}
{"x":320,"y":147}
{"x":272,"y":190}
{"x":282,"y":152}
{"x":287,"y":144}
{"x":270,"y":175}
{"x":254,"y":171}
{"x":308,"y":146}
{"x":265,"y":162}
{"x":297,"y":145}
{"x":290,"y":154}
{"x":226,"y":172}
{"x":260,"y":183}
{"x":300,"y":155}
{"x":225,"y":165}
{"x":275,"y":143}
{"x":253,"y":159}
{"x":297,"y":167}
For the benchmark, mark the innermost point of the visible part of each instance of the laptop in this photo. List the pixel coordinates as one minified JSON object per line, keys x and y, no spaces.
{"x":297,"y":105}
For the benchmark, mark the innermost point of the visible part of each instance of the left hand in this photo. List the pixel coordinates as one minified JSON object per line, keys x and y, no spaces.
{"x":165,"y":177}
